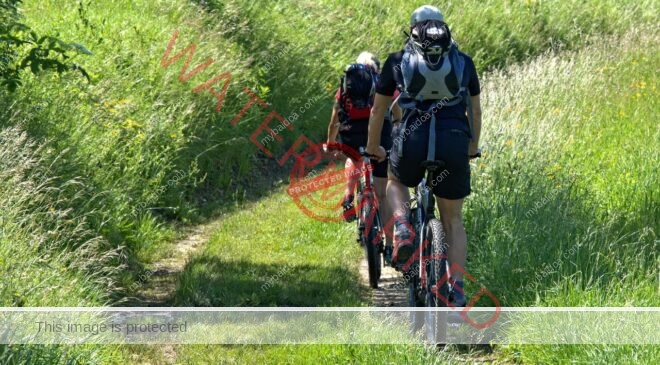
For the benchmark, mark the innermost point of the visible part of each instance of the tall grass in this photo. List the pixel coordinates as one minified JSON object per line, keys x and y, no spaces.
{"x":565,"y":210}
{"x":299,"y":48}
{"x":569,"y":166}
{"x":48,"y":257}
{"x":136,"y":127}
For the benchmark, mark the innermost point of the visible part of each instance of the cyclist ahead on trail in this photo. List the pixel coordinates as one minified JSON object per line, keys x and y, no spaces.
{"x":437,"y":81}
{"x":350,"y":120}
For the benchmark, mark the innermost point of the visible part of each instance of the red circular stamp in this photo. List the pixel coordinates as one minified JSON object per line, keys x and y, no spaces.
{"x":318,"y":180}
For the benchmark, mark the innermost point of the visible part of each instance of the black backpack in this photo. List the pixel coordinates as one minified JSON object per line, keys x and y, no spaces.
{"x":432,"y":67}
{"x":432,"y":70}
{"x":358,"y":85}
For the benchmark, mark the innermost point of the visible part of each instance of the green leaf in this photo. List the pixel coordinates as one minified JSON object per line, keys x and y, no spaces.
{"x":80,"y":48}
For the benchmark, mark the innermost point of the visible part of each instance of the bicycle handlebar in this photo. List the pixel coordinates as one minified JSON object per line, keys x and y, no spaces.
{"x":331,"y":147}
{"x":362,"y":151}
{"x":334,"y":147}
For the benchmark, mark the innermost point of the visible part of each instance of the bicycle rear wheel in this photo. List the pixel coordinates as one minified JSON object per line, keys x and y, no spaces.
{"x":436,"y":265}
{"x":437,"y":288}
{"x":412,"y":277}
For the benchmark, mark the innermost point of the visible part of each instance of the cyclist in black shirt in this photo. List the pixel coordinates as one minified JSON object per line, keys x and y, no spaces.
{"x":455,"y":142}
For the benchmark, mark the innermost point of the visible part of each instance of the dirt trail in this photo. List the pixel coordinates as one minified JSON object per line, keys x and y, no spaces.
{"x":157,"y":285}
{"x":391,"y":292}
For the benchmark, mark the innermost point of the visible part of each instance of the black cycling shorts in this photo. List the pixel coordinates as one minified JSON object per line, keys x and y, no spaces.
{"x":451,"y":146}
{"x":357,"y":137}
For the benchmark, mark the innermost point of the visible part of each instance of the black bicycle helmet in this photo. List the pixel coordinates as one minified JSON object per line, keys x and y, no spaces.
{"x":432,"y":39}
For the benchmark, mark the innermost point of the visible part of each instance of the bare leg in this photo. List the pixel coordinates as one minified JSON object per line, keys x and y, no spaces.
{"x":451,"y":214}
{"x":398,"y":196}
{"x":352,"y":175}
{"x":380,"y":184}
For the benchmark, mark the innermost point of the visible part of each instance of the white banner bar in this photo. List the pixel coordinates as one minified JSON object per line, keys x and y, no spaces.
{"x":476,"y":325}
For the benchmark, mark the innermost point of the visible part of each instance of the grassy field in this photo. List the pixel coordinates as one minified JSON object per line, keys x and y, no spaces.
{"x":545,"y":229}
{"x":96,"y":177}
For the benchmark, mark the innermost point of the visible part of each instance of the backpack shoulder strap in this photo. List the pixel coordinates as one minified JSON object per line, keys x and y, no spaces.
{"x":458,"y":62}
{"x":470,"y":112}
{"x":342,"y":96}
{"x":342,"y":91}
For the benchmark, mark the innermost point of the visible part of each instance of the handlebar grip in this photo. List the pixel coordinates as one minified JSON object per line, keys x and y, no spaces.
{"x":476,"y":155}
{"x":363,"y":152}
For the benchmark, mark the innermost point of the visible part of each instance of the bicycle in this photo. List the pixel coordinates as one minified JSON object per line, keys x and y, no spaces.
{"x":426,"y":272}
{"x":429,"y":263}
{"x":369,"y":222}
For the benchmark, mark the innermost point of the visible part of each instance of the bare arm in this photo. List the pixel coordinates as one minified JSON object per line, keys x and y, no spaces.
{"x":396,"y":113}
{"x":476,"y":123}
{"x":333,"y":127}
{"x":381,"y":104}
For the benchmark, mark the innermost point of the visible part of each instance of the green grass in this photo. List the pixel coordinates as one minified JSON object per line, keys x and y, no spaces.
{"x":544,"y":228}
{"x":47,"y":256}
{"x":105,"y":171}
{"x":269,"y":254}
{"x":149,"y":150}
{"x":326,"y":354}
{"x":588,"y":158}
{"x":578,"y":138}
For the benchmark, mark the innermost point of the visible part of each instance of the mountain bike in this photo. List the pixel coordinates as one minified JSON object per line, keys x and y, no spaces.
{"x":369,"y":222}
{"x":426,"y":269}
{"x":426,"y":272}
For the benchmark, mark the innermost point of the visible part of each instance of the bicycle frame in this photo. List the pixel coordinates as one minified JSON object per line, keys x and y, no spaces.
{"x":422,"y":212}
{"x":369,"y":222}
{"x":367,"y":195}
{"x":425,"y":208}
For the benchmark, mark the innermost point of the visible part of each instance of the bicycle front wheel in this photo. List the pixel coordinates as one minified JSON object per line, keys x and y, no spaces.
{"x":371,"y":245}
{"x":373,"y":257}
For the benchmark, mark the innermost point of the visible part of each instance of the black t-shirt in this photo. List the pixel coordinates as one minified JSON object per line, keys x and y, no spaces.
{"x":391,"y":79}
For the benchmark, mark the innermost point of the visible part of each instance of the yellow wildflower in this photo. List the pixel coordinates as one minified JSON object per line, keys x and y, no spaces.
{"x":131,"y":124}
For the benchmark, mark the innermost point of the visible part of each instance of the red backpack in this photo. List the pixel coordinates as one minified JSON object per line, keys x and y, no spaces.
{"x":356,"y":92}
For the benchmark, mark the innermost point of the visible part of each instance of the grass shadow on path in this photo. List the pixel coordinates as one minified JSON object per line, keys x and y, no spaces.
{"x":212,"y":282}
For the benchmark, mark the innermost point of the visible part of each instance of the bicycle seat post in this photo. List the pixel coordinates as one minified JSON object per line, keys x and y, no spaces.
{"x":432,"y":167}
